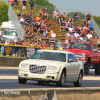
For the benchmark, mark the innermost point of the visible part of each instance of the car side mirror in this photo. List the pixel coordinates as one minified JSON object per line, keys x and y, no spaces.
{"x":95,"y":50}
{"x":70,"y":60}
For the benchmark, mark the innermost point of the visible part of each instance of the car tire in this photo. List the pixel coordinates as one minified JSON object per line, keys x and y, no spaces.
{"x":40,"y":82}
{"x":79,"y":81}
{"x":62,"y":80}
{"x":97,"y":69}
{"x":86,"y":68}
{"x":21,"y":80}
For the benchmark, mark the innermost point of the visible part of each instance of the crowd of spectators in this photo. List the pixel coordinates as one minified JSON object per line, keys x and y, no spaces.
{"x":78,"y":33}
{"x":40,"y":31}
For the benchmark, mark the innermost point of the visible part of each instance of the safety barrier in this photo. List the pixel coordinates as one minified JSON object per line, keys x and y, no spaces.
{"x":51,"y":94}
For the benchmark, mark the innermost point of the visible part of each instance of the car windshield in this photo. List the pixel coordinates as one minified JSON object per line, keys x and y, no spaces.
{"x":78,"y":46}
{"x":49,"y":56}
{"x":10,"y":33}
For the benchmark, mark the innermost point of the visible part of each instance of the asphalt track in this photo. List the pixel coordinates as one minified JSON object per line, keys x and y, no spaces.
{"x":9,"y":76}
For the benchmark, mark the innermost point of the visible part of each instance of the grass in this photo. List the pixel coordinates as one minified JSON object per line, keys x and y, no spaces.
{"x":11,"y":56}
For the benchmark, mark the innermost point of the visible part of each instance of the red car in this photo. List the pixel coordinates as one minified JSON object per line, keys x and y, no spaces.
{"x":86,"y":53}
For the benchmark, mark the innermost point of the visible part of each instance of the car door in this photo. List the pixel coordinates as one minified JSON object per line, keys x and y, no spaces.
{"x":73,"y":69}
{"x":69,"y":68}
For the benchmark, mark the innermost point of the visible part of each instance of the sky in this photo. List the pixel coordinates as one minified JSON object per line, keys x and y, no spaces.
{"x":93,"y":6}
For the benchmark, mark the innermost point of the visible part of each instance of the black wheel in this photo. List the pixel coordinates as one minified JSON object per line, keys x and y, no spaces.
{"x":97,"y":69}
{"x":62,"y":80}
{"x":41,"y":82}
{"x":21,"y":80}
{"x":86,"y":68}
{"x":79,"y":81}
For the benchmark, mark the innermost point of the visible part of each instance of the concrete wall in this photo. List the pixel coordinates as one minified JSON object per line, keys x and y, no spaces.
{"x":12,"y":62}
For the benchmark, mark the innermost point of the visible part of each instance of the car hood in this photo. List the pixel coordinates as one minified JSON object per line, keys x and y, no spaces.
{"x":44,"y":62}
{"x":77,"y":51}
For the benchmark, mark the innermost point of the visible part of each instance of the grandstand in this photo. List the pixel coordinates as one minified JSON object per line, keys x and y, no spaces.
{"x":55,"y":25}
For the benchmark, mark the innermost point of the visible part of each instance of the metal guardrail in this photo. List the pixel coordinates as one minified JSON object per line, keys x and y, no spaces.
{"x":96,"y":27}
{"x":51,"y":94}
{"x":13,"y":17}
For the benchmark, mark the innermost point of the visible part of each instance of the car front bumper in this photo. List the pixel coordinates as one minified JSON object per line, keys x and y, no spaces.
{"x":47,"y":76}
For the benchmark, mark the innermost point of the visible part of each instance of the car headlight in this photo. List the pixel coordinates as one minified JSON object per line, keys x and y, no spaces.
{"x":54,"y":68}
{"x":24,"y":66}
{"x":80,"y":56}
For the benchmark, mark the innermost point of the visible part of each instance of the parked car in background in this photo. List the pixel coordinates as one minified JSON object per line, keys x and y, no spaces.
{"x":51,"y":66}
{"x":9,"y":34}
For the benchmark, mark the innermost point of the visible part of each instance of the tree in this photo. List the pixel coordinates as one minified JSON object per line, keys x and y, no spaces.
{"x":3,"y":11}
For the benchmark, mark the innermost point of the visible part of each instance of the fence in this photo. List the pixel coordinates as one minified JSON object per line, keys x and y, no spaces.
{"x":13,"y":17}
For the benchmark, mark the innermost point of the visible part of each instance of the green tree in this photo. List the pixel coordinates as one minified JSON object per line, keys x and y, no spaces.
{"x":3,"y":11}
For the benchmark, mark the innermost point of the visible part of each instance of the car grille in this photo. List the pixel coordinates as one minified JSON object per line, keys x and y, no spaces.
{"x":38,"y":69}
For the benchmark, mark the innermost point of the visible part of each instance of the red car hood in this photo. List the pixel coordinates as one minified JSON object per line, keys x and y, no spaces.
{"x":77,"y":51}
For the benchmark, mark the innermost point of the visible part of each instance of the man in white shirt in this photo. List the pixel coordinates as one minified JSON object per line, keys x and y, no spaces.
{"x":76,"y":34}
{"x":67,"y":34}
{"x":55,"y":15}
{"x":89,"y":35}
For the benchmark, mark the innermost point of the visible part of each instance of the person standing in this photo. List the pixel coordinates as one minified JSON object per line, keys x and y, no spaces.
{"x":16,"y":5}
{"x":24,"y":6}
{"x":31,"y":4}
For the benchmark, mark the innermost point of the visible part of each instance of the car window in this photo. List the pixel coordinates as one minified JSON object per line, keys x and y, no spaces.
{"x":79,"y":46}
{"x":74,"y":58}
{"x":56,"y":56}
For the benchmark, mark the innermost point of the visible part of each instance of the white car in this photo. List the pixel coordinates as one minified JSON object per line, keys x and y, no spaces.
{"x":9,"y":34}
{"x":51,"y":66}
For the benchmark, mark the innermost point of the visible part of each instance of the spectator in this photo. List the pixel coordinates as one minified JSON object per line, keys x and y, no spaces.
{"x":40,"y":12}
{"x":61,"y":18}
{"x":33,"y":21}
{"x":84,"y":39}
{"x":62,"y":26}
{"x":27,"y":21}
{"x":64,"y":14}
{"x":66,"y":41}
{"x":16,"y":5}
{"x":84,"y":32}
{"x":70,"y":20}
{"x":55,"y":15}
{"x":89,"y":35}
{"x":66,"y":27}
{"x":19,"y":16}
{"x":76,"y":16}
{"x":30,"y":15}
{"x":91,"y":26}
{"x":22,"y":20}
{"x":71,"y":29}
{"x":11,"y":2}
{"x":24,"y":6}
{"x":7,"y":42}
{"x":53,"y":36}
{"x":31,"y":4}
{"x":44,"y":33}
{"x":46,"y":13}
{"x":67,"y":34}
{"x":96,"y":36}
{"x":76,"y":34}
{"x":88,"y":17}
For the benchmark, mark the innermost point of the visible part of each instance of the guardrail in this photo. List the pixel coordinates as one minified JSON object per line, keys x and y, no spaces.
{"x":51,"y":94}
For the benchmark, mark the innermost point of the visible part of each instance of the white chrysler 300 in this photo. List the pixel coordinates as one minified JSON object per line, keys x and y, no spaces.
{"x":51,"y":66}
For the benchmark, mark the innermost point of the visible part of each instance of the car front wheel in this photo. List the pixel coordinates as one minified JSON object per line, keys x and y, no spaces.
{"x":62,"y":80}
{"x":21,"y":80}
{"x":79,"y":81}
